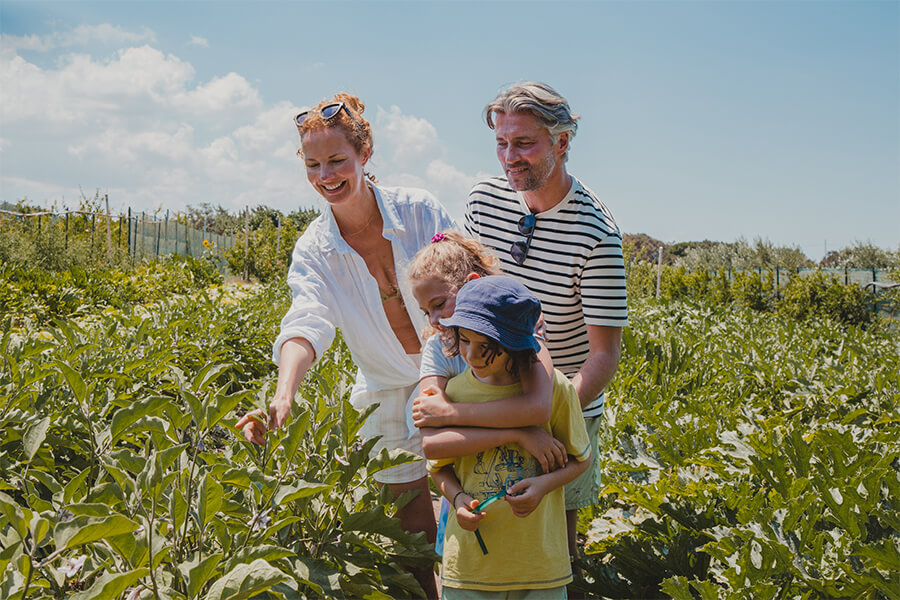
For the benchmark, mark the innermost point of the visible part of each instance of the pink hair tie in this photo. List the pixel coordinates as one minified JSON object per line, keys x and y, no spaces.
{"x":438,"y":237}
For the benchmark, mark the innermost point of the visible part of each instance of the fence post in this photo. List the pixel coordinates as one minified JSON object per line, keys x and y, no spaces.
{"x":67,"y":229}
{"x":246,"y":243}
{"x":659,"y":271}
{"x":108,"y":231}
{"x":278,"y":239}
{"x":158,"y":231}
{"x":167,"y":233}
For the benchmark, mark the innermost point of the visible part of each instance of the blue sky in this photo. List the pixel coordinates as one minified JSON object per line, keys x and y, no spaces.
{"x":700,"y":120}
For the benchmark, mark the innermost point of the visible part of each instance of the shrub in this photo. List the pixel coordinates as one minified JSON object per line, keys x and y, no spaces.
{"x":820,"y":295}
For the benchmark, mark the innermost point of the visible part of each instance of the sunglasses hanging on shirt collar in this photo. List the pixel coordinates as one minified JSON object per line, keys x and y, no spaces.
{"x":519,"y":250}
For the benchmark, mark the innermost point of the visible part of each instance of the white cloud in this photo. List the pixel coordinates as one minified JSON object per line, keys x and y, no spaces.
{"x":196,"y":40}
{"x":222,"y":93}
{"x":412,"y":138}
{"x":83,"y":35}
{"x":138,"y":124}
{"x":272,"y":126}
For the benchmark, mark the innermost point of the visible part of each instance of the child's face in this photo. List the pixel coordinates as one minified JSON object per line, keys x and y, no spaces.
{"x":490,"y":368}
{"x":436,"y":298}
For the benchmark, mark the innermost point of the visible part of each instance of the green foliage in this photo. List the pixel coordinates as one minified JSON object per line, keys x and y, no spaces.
{"x":748,"y":456}
{"x":862,"y":255}
{"x":819,"y":295}
{"x":267,"y":255}
{"x":31,"y":293}
{"x":120,"y":469}
{"x":44,"y":242}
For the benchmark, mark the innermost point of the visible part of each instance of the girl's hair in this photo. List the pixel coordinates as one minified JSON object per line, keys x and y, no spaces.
{"x":451,"y":257}
{"x":519,"y":360}
{"x":355,"y":128}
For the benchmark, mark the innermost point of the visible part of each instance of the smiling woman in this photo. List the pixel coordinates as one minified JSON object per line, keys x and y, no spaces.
{"x":348,"y":272}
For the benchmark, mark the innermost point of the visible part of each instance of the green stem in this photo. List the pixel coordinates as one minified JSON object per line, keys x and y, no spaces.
{"x":150,"y":548}
{"x":262,"y":508}
{"x":30,"y":574}
{"x":187,"y":500}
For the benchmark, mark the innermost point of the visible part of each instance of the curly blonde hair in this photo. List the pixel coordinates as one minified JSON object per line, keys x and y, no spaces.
{"x":451,"y":257}
{"x":355,"y":128}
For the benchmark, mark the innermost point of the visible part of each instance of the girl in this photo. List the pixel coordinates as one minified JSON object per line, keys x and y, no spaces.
{"x":436,"y":274}
{"x":492,"y":330}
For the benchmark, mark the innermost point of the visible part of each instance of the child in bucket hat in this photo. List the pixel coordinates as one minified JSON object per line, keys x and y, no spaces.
{"x":492,"y":329}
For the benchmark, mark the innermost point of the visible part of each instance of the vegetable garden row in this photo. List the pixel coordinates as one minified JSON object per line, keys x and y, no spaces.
{"x":745,"y":455}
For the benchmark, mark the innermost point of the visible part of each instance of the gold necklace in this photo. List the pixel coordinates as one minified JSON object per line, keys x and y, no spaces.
{"x":364,"y":227}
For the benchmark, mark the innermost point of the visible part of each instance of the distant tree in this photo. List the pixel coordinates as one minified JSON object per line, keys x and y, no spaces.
{"x":640,"y":246}
{"x":861,"y":255}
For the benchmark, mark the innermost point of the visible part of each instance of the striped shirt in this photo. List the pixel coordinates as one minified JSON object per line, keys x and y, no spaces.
{"x":574,"y":264}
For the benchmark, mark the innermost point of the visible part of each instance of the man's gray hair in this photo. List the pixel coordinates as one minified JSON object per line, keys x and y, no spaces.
{"x":539,"y":99}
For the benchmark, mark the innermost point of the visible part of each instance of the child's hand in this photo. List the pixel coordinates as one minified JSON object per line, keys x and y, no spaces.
{"x":466,"y":512}
{"x":525,"y":496}
{"x":253,"y":426}
{"x":548,"y":450}
{"x":431,"y":408}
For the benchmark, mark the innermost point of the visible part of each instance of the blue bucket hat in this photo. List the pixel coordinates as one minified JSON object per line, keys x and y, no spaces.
{"x":498,"y":307}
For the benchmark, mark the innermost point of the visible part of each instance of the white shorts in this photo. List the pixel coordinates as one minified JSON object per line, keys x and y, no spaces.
{"x":389,"y":421}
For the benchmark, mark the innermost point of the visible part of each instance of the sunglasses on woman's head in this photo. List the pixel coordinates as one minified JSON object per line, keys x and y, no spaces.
{"x":328,"y":112}
{"x":519,"y":250}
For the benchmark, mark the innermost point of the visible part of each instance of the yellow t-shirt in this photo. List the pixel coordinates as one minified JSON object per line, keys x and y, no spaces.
{"x":523,"y":553}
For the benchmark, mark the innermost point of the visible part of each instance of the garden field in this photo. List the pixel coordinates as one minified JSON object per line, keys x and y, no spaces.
{"x":746,"y":455}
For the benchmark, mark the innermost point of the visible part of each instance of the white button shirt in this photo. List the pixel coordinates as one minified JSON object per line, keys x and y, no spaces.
{"x":332,"y":287}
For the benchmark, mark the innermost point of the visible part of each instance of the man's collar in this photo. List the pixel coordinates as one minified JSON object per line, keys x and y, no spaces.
{"x":541,"y":206}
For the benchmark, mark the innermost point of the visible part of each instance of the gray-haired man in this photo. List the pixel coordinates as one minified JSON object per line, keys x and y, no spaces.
{"x":554,"y":235}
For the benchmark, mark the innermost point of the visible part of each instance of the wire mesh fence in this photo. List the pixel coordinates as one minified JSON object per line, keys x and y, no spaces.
{"x":139,"y":235}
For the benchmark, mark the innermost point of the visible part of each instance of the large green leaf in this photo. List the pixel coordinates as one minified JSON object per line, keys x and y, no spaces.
{"x":207,"y":375}
{"x":127,"y":416}
{"x":301,"y":489}
{"x":74,"y":380}
{"x":35,"y":436}
{"x":84,"y":530}
{"x":18,"y":516}
{"x":248,"y":555}
{"x":110,"y":585}
{"x":220,"y":405}
{"x":197,"y":572}
{"x":245,"y":581}
{"x":210,"y":501}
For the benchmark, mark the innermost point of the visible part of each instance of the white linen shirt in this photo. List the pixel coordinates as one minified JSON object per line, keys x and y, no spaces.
{"x":332,"y":287}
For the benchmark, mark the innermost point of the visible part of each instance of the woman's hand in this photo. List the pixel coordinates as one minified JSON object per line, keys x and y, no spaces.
{"x":466,"y":512}
{"x":548,"y":450}
{"x":253,"y":426}
{"x":279,"y":411}
{"x":431,"y":408}
{"x":525,"y":496}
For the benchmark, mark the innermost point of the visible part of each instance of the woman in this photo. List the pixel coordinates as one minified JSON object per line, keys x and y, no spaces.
{"x":347,"y":272}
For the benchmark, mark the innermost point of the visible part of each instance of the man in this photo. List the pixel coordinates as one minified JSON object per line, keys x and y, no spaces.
{"x":555,"y":236}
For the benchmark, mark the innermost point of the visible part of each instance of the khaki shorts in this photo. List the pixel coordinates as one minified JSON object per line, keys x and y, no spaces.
{"x":585,"y":490}
{"x":557,"y":593}
{"x":389,"y":421}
